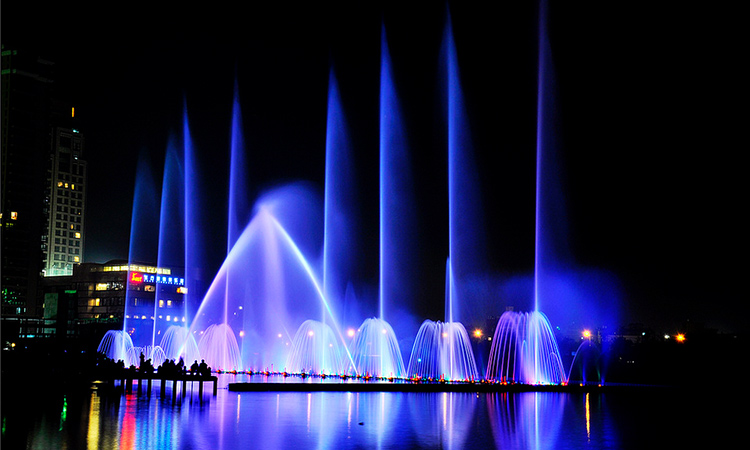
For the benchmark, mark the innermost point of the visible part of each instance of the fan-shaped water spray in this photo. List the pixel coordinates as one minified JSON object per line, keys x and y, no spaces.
{"x":115,"y":345}
{"x":178,"y":343}
{"x":375,"y":350}
{"x":218,"y":347}
{"x":442,"y":351}
{"x":524,"y":350}
{"x":315,"y":349}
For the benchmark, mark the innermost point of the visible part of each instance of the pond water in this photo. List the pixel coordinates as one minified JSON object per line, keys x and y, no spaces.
{"x":97,"y":418}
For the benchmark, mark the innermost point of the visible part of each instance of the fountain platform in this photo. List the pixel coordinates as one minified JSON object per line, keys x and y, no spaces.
{"x":421,"y":387}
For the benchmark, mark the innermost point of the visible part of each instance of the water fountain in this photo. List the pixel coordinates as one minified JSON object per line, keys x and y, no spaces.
{"x":275,"y":304}
{"x":524,"y":350}
{"x":524,"y":346}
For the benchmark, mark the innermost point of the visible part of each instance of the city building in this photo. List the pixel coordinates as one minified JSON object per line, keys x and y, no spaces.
{"x":141,"y":298}
{"x":64,"y":204}
{"x":31,"y":110}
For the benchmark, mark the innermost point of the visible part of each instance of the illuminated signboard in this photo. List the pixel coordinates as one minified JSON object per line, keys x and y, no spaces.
{"x":138,"y":278}
{"x":165,"y":279}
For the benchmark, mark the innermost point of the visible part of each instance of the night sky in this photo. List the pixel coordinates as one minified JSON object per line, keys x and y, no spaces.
{"x":646,"y":98}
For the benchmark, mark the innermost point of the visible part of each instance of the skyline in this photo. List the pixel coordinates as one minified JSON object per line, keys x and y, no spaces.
{"x":632,"y":107}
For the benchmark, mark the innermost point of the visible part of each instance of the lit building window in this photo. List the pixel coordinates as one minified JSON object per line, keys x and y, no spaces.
{"x":14,"y":215}
{"x":161,"y":303}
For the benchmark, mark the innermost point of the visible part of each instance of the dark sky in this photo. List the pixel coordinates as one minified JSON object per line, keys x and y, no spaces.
{"x":646,"y":99}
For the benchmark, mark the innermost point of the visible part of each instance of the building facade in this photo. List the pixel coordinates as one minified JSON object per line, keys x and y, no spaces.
{"x":31,"y":109}
{"x":62,"y":239}
{"x":142,"y":299}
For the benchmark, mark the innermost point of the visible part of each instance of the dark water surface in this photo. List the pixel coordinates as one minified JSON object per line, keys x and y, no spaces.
{"x":96,"y":418}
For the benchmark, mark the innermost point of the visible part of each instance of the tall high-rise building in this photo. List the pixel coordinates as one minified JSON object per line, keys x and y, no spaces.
{"x":65,"y":202}
{"x":31,"y":111}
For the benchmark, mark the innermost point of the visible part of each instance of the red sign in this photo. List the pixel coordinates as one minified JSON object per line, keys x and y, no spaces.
{"x":136,"y":277}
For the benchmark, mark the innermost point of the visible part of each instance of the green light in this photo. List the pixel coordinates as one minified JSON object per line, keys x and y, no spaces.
{"x":64,"y":413}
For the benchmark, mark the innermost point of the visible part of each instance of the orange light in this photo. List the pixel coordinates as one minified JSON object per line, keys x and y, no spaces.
{"x":586,"y":334}
{"x":477,"y":333}
{"x":351,"y":332}
{"x":680,"y":337}
{"x":72,"y":112}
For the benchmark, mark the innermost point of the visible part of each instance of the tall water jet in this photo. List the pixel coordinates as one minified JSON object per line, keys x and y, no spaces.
{"x":193,"y":234}
{"x":524,"y":348}
{"x":552,"y":254}
{"x":396,"y":208}
{"x":567,"y":292}
{"x":339,"y":201}
{"x":443,"y":349}
{"x":396,"y":203}
{"x":238,"y":209}
{"x":169,"y":298}
{"x":465,"y":230}
{"x":144,"y":227}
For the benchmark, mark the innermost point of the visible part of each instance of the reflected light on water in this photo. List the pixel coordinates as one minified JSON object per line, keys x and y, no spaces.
{"x":127,"y":421}
{"x":588,"y":419}
{"x":92,"y":438}
{"x":533,"y":420}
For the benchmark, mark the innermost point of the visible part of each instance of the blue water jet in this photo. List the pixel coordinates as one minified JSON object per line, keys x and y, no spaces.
{"x":194,"y":235}
{"x":171,"y":241}
{"x":339,"y":247}
{"x":396,"y":196}
{"x":144,"y":228}
{"x":465,"y":230}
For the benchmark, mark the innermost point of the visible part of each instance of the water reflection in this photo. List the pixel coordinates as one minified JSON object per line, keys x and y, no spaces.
{"x":326,"y":420}
{"x":526,"y":420}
